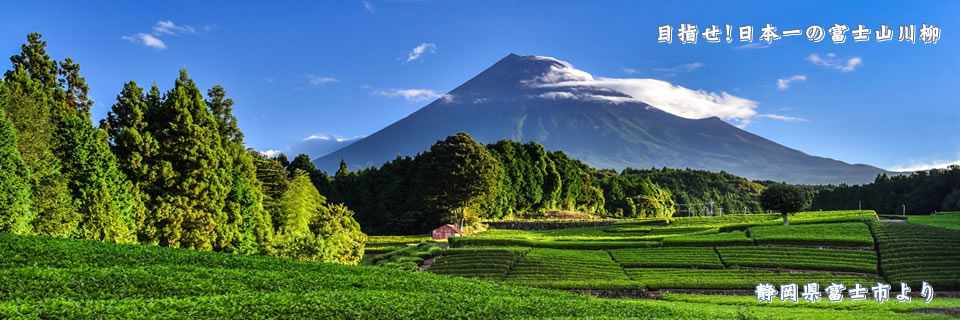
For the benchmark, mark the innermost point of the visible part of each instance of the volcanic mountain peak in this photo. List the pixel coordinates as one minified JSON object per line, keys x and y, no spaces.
{"x":605,"y":122}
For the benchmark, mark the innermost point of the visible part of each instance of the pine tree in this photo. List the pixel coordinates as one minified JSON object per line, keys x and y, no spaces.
{"x":15,"y":213}
{"x":134,"y":148}
{"x":249,"y":225}
{"x":28,"y":108}
{"x":191,"y":186}
{"x":99,"y":190}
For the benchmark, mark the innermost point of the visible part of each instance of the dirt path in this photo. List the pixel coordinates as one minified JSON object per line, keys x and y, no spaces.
{"x":427,"y":264}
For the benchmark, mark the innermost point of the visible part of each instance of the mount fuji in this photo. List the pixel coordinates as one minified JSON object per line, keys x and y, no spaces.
{"x":598,"y":121}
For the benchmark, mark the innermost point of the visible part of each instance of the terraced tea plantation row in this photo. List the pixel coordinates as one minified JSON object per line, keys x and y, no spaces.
{"x":655,"y":278}
{"x":667,"y":257}
{"x":732,"y":238}
{"x":567,"y":268}
{"x":49,"y":278}
{"x":490,"y":264}
{"x":864,"y":261}
{"x":854,"y":234}
{"x":914,"y":253}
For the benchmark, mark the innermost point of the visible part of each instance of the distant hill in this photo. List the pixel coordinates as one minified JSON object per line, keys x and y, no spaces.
{"x":502,"y":103}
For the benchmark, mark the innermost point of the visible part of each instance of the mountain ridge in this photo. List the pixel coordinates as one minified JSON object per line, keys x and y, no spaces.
{"x":535,"y":98}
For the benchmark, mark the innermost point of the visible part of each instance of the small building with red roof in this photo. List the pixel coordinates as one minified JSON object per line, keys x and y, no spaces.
{"x":446,"y":231}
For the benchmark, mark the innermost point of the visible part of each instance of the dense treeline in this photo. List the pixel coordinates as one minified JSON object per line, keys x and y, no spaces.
{"x":167,"y":169}
{"x":401,"y":196}
{"x":697,"y":192}
{"x":922,"y":192}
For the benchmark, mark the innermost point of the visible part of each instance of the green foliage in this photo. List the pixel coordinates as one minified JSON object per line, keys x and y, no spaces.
{"x":784,"y":198}
{"x":15,"y":213}
{"x":800,"y":258}
{"x":407,"y":258}
{"x":54,"y":113}
{"x":949,"y":220}
{"x":461,"y":173}
{"x":481,"y":263}
{"x":853,"y":234}
{"x":667,"y":257}
{"x":923,"y":192}
{"x":914,"y":253}
{"x":733,"y":238}
{"x":567,"y":244}
{"x":28,"y":109}
{"x":54,"y":278}
{"x":655,"y":278}
{"x":635,"y":196}
{"x":696,"y":188}
{"x":869,"y":305}
{"x":311,"y":230}
{"x":543,"y":266}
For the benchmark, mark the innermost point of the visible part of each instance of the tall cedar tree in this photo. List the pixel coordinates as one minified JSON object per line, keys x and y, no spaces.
{"x":250,"y":228}
{"x":134,"y":146}
{"x":190,"y":186}
{"x":28,"y":107}
{"x":15,"y":213}
{"x":100,"y":191}
{"x":462,"y":173}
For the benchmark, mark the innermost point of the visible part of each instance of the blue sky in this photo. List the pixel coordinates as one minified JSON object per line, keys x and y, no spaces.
{"x":345,"y":68}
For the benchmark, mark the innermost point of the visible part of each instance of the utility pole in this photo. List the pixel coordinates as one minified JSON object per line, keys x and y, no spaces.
{"x":859,"y":205}
{"x":904,"y":210}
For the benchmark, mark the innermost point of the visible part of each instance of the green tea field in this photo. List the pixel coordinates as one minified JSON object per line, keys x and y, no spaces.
{"x":50,"y":278}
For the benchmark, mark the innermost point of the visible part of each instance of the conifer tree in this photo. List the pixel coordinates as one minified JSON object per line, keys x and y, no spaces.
{"x":249,"y":224}
{"x":15,"y":213}
{"x":28,"y":108}
{"x":191,"y":184}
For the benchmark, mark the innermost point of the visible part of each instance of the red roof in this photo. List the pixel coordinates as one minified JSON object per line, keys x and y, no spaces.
{"x":452,"y":227}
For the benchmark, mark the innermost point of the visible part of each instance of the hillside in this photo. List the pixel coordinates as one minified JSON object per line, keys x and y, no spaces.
{"x":516,"y":99}
{"x":58,"y":278}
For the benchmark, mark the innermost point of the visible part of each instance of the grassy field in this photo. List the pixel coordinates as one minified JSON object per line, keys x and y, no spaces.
{"x":949,"y":220}
{"x":56,"y":278}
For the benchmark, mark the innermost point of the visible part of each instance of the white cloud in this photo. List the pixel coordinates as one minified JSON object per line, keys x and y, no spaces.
{"x":147,"y":40}
{"x":170,"y":28}
{"x":752,"y":45}
{"x":410,"y":94}
{"x":784,"y":83}
{"x":913,"y":165}
{"x":675,"y":99}
{"x":420,"y":50}
{"x":830,"y":60}
{"x":270,"y":153}
{"x":630,"y":71}
{"x":319,"y":81}
{"x":164,"y":28}
{"x":326,"y":137}
{"x":781,"y":117}
{"x":557,"y":95}
{"x":686,"y":67}
{"x":369,"y":6}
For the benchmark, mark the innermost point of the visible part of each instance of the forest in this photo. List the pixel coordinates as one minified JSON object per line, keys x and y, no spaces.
{"x":921,"y":192}
{"x":163,"y":168}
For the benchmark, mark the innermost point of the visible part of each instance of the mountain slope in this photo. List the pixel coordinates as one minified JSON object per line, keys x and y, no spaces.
{"x":515,"y":99}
